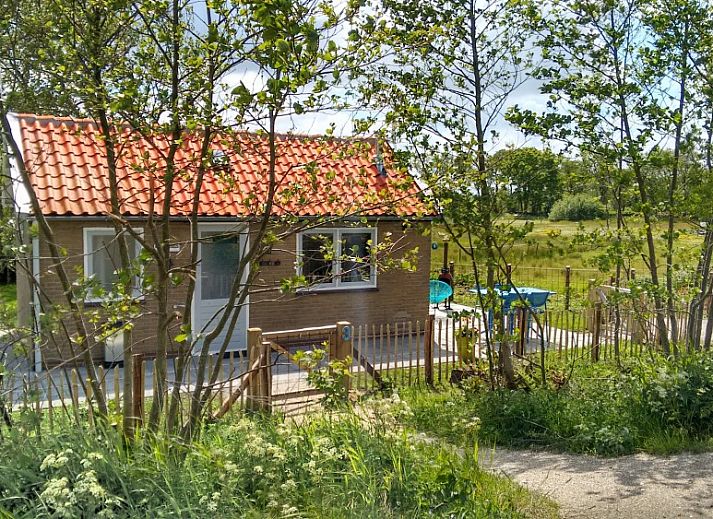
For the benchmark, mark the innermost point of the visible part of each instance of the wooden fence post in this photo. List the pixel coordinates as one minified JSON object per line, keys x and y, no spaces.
{"x":74,"y":389}
{"x":90,"y":405}
{"x":266,"y":378}
{"x":593,"y":298}
{"x":596,"y":335}
{"x":428,"y":349}
{"x":567,"y":286}
{"x":508,"y":273}
{"x":452,"y":270}
{"x":254,"y":390}
{"x":117,"y":394}
{"x":522,"y":328}
{"x":138,"y":389}
{"x":344,"y":347}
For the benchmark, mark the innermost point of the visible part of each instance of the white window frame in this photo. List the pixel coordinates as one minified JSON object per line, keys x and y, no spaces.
{"x":88,"y":234}
{"x":336,"y":283}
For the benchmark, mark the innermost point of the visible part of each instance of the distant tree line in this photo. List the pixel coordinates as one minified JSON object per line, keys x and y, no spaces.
{"x":531,"y":182}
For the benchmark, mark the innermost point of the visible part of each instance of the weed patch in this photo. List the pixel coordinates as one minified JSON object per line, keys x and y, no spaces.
{"x":655,"y":405}
{"x":334,"y":465}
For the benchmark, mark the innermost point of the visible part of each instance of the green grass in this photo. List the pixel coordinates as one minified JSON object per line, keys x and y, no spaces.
{"x":648,"y":405}
{"x":540,"y":258}
{"x":8,"y":303}
{"x":340,"y":465}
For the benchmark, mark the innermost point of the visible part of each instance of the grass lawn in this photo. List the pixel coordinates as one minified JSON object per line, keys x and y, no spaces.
{"x":650,"y":404}
{"x":541,"y":257}
{"x":8,"y":303}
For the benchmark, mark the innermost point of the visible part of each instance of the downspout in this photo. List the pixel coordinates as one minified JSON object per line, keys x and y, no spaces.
{"x":36,"y":303}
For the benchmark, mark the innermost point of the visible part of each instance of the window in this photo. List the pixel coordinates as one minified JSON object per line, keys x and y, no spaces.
{"x":220,"y":256}
{"x":318,"y":258}
{"x":337,"y":258}
{"x":102,"y":259}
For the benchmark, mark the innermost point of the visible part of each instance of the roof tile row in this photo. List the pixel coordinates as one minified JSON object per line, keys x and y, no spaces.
{"x":66,"y":159}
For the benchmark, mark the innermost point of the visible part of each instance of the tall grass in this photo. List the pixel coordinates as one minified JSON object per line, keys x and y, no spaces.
{"x":338,"y":465}
{"x":540,"y":257}
{"x":652,"y":404}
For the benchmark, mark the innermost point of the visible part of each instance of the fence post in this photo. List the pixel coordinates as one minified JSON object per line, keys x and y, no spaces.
{"x":74,"y":393}
{"x":255,"y":390}
{"x":632,"y":274}
{"x":596,"y":336}
{"x":508,"y":273}
{"x":89,"y":396}
{"x":138,"y":389}
{"x":522,"y":328}
{"x":567,"y":286}
{"x":266,"y":378}
{"x":593,"y":298}
{"x":344,"y":347}
{"x":452,"y":270}
{"x":428,"y":349}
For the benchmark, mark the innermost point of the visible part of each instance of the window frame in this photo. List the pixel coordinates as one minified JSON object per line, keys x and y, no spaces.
{"x":87,"y":234}
{"x":336,"y":284}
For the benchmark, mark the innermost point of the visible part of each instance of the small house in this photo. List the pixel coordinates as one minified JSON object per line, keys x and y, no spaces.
{"x":347,"y":186}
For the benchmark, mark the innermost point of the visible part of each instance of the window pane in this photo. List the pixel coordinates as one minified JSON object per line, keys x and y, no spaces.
{"x":105,"y":259}
{"x":317,"y":254}
{"x":220,"y":255}
{"x":356,"y":257}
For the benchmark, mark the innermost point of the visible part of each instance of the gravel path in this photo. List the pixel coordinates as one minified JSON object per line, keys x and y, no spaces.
{"x":639,"y":486}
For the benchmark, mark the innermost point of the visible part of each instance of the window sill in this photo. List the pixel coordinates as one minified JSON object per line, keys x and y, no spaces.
{"x":332,"y":290}
{"x":93,"y":303}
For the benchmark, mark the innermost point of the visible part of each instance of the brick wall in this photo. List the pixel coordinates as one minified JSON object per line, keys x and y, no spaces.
{"x":70,"y":236}
{"x":399,"y":295}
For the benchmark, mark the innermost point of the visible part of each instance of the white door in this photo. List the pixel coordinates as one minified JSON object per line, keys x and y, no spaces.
{"x":219,"y":253}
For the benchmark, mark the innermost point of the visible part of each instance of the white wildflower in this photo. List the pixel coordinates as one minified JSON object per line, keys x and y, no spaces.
{"x":289,"y":486}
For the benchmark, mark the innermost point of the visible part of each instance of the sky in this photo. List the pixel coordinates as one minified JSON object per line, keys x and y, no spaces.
{"x":526,"y":96}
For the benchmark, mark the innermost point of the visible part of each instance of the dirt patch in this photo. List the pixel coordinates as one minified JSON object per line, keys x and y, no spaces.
{"x":638,"y":486}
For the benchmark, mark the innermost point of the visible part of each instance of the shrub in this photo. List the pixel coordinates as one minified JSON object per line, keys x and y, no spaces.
{"x":654,"y":404}
{"x":678,"y":393}
{"x":576,"y":208}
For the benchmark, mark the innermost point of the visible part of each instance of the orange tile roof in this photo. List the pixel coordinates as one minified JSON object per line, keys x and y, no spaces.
{"x":66,"y":160}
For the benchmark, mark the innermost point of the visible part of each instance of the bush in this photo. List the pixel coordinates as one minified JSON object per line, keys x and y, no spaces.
{"x":652,"y":404}
{"x":576,"y":208}
{"x":678,"y":394}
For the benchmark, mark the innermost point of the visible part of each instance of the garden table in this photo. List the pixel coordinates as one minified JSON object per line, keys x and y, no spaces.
{"x":536,"y":299}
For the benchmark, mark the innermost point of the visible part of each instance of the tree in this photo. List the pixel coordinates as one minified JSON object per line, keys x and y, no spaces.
{"x":531,"y":177}
{"x":155,"y":72}
{"x":610,"y":97}
{"x":451,"y":68}
{"x":27,"y":85}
